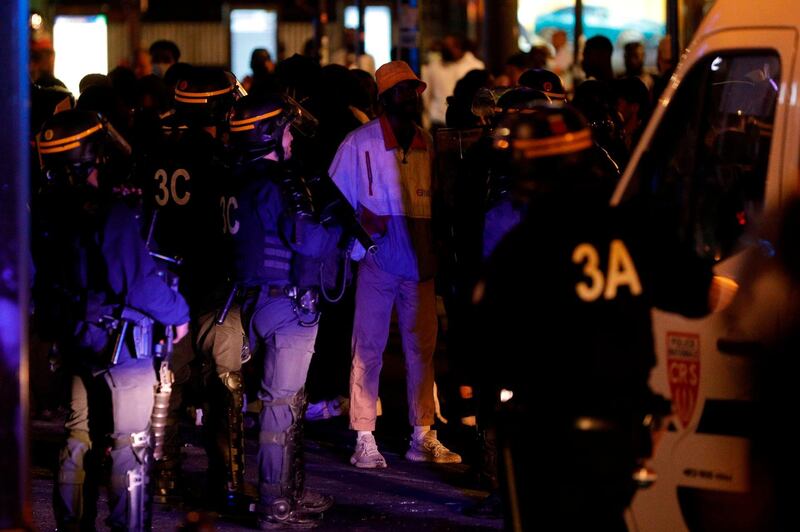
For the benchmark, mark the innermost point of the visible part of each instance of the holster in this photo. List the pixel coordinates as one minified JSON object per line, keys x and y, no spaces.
{"x":305,"y":303}
{"x":142,"y":331}
{"x":142,"y":326}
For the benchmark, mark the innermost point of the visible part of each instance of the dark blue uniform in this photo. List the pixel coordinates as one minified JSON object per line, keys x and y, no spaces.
{"x":271,"y":245}
{"x":566,"y":300}
{"x":91,"y":262}
{"x":183,"y":180}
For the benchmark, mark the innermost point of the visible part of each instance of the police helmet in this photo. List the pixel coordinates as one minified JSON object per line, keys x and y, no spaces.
{"x":45,"y":102}
{"x":490,"y":105}
{"x":520,"y":98}
{"x":257,"y":124}
{"x":73,"y":142}
{"x":204,"y":96}
{"x":549,"y":145}
{"x":546,"y":81}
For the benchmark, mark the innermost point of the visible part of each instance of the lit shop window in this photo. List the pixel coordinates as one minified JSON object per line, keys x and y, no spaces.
{"x":251,"y":29}
{"x":81,"y":46}
{"x":377,"y":30}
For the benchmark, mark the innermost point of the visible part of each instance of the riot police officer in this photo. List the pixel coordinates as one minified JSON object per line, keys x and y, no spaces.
{"x":183,"y":178}
{"x":275,"y":235}
{"x":101,"y":291}
{"x":566,"y":298}
{"x":546,"y":81}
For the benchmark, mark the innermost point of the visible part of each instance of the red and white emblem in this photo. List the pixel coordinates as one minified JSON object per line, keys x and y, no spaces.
{"x":683,"y":371}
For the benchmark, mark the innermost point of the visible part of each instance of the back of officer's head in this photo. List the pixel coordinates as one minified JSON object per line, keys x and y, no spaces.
{"x":204,"y":96}
{"x":71,"y":144}
{"x":516,"y":100}
{"x":257,"y":124}
{"x":546,"y":81}
{"x":550,"y":149}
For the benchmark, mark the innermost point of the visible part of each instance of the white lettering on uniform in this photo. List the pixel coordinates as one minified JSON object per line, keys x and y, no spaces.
{"x":588,"y":253}
{"x":161,"y":176}
{"x":621,"y":272}
{"x":166,"y":192}
{"x":184,"y":198}
{"x":226,"y":205}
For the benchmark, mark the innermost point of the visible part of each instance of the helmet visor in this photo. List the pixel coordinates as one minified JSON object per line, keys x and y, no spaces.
{"x":300,"y":118}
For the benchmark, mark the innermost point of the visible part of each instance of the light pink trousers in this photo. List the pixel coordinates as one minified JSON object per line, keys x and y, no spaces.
{"x":376,"y":293}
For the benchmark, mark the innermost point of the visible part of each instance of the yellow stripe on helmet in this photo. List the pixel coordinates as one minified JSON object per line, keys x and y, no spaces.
{"x":58,"y":149}
{"x":255,"y":119}
{"x":191,"y":100}
{"x":67,"y":140}
{"x":559,"y":145}
{"x":242,"y":128}
{"x":186,"y":94}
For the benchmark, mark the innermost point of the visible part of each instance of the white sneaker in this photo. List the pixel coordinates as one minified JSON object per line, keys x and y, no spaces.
{"x":430,"y":449}
{"x":367,"y":455}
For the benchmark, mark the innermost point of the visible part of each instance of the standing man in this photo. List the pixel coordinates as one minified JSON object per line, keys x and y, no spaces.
{"x":383,"y":169}
{"x":275,"y":239}
{"x":443,"y":74}
{"x":100,"y":289}
{"x":596,"y":61}
{"x":634,"y":65}
{"x":163,"y":54}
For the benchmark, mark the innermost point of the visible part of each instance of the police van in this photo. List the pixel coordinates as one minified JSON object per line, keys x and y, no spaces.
{"x":721,"y":149}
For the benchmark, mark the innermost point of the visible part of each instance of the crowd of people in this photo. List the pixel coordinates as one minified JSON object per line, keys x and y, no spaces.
{"x":186,"y":228}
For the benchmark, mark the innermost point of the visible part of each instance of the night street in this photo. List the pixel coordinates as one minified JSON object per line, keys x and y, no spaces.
{"x":405,"y":496}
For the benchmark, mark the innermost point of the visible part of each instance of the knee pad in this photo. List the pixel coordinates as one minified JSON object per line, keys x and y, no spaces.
{"x":298,"y":405}
{"x":71,"y":459}
{"x":233,"y":381}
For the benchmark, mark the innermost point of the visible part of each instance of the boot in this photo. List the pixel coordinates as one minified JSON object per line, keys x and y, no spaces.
{"x":308,"y":500}
{"x":281,"y":511}
{"x":287,"y":503}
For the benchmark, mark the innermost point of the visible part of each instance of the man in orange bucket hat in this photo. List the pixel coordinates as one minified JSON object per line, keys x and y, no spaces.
{"x":384,"y":169}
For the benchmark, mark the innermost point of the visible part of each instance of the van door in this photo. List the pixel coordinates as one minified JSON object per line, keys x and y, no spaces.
{"x":711,"y":159}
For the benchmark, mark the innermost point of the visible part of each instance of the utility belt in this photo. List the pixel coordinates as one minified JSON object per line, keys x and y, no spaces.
{"x":133,"y":328}
{"x":305,"y":301}
{"x":634,"y":429}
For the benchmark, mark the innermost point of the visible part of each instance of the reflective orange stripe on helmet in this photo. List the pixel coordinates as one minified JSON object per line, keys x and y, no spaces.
{"x":66,"y":140}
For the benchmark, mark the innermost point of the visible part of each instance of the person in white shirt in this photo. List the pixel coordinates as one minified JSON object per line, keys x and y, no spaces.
{"x":346,"y":55}
{"x":384,"y":170}
{"x":441,"y":75}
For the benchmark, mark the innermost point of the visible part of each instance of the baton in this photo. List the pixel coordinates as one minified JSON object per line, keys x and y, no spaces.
{"x":123,"y":332}
{"x":228,"y":304}
{"x":177,"y":261}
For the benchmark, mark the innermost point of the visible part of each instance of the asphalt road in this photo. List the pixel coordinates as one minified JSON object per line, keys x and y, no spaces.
{"x":405,"y":496}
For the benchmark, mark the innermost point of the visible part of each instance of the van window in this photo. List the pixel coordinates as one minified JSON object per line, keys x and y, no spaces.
{"x":706,"y":167}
